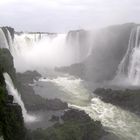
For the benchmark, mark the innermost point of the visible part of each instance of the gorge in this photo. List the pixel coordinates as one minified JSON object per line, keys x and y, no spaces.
{"x":85,"y":81}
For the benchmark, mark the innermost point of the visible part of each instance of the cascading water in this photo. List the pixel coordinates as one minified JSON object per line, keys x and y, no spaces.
{"x":11,"y":90}
{"x":3,"y":40}
{"x":42,"y":50}
{"x":82,"y":42}
{"x":130,"y":64}
{"x":123,"y":124}
{"x":46,"y":52}
{"x":10,"y":41}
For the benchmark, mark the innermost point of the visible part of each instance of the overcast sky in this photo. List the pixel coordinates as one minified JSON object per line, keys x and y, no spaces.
{"x":64,"y":15}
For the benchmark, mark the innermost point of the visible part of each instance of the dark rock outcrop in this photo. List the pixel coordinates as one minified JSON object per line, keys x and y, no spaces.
{"x":75,"y":115}
{"x":12,"y":122}
{"x":76,"y":126}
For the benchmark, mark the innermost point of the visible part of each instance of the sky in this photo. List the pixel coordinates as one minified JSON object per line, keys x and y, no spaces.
{"x":64,"y":15}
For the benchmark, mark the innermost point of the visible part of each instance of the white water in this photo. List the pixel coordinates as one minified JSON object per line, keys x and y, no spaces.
{"x":129,"y":67}
{"x":47,"y":52}
{"x":122,"y":123}
{"x":38,"y":51}
{"x":72,"y":87}
{"x":17,"y":98}
{"x":11,"y":45}
{"x":81,"y":43}
{"x":3,"y":41}
{"x":42,"y":51}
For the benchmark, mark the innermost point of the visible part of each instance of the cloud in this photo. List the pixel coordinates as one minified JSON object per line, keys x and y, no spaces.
{"x":63,"y":15}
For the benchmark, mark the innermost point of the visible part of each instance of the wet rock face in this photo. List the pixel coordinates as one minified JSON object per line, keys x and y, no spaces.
{"x":2,"y":83}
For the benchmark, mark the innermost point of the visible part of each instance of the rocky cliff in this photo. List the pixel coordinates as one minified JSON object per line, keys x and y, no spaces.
{"x":11,"y":119}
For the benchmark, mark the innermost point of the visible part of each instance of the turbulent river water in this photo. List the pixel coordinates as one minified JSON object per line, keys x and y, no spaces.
{"x":123,"y":124}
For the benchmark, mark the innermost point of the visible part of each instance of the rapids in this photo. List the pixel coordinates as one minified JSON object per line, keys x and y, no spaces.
{"x":123,"y":124}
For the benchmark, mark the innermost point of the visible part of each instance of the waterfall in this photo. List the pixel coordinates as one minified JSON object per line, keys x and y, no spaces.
{"x":74,"y":42}
{"x":38,"y":51}
{"x":11,"y":47}
{"x":81,"y":41}
{"x":130,"y":64}
{"x":3,"y":40}
{"x":17,"y":98}
{"x":44,"y":50}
